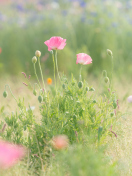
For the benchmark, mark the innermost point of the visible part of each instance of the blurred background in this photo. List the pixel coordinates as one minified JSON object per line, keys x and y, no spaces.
{"x":90,"y":26}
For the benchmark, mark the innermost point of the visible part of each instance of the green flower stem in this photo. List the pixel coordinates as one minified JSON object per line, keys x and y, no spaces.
{"x":10,"y":91}
{"x":57,"y":65}
{"x":111,"y":83}
{"x":37,"y":85}
{"x":80,"y":77}
{"x":54,"y":68}
{"x":37,"y":76}
{"x":41,"y":74}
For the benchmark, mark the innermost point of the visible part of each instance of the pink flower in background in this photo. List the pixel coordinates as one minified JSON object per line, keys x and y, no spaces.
{"x":60,"y":142}
{"x":10,"y":154}
{"x":83,"y":59}
{"x":0,"y":50}
{"x":55,"y":43}
{"x":129,"y":99}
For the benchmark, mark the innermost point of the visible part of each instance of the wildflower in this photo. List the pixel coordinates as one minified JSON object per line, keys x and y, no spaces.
{"x":24,"y":74}
{"x":60,"y":142}
{"x":55,"y":43}
{"x":129,"y":99}
{"x":25,"y":84}
{"x":10,"y":154}
{"x":49,"y":81}
{"x":0,"y":50}
{"x":83,"y":59}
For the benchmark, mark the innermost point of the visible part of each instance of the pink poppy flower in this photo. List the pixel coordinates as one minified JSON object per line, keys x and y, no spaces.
{"x":10,"y":154}
{"x":83,"y":59}
{"x":60,"y":142}
{"x":55,"y":43}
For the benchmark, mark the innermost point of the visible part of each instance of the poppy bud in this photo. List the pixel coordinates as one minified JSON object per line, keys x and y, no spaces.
{"x":5,"y":94}
{"x":34,"y":92}
{"x":63,"y":86}
{"x":106,"y":79}
{"x":104,"y":73}
{"x":40,"y":99}
{"x":91,"y":89}
{"x":114,"y":104}
{"x":38,"y":53}
{"x":112,"y":114}
{"x":34,"y":59}
{"x":80,"y":84}
{"x":87,"y":88}
{"x":109,"y":52}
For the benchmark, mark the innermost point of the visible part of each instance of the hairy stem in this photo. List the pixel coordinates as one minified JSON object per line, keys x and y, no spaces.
{"x":37,"y":76}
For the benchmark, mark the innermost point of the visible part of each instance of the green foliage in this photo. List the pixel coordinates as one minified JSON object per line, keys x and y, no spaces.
{"x":81,"y":160}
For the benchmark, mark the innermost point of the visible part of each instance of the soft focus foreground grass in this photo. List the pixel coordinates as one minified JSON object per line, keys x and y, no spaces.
{"x":119,"y":149}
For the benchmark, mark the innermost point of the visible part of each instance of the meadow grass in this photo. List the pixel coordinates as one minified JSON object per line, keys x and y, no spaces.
{"x":117,"y":150}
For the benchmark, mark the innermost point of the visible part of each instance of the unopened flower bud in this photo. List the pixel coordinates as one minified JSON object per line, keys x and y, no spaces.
{"x":34,"y":59}
{"x":104,"y":73}
{"x":38,"y":53}
{"x":112,"y":114}
{"x":40,"y":99}
{"x":80,"y":84}
{"x":74,"y":116}
{"x":63,"y":86}
{"x":87,"y":88}
{"x":106,"y":79}
{"x":91,"y":89}
{"x":114,"y":104}
{"x":34,"y":92}
{"x":109,"y":52}
{"x":51,"y":51}
{"x":5,"y":94}
{"x":94,"y":101}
